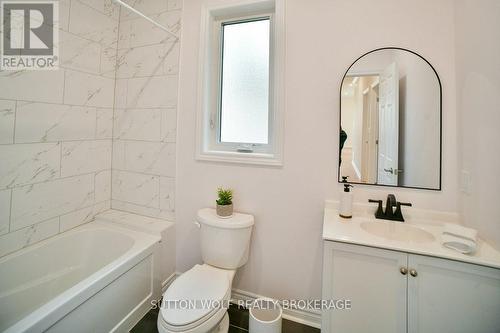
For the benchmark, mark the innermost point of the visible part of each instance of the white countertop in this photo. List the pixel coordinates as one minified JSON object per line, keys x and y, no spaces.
{"x":350,"y":231}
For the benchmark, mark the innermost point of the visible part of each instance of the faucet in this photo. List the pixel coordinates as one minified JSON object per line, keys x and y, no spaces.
{"x":390,"y":213}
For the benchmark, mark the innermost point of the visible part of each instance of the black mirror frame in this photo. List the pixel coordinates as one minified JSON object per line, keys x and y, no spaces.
{"x":440,"y":122}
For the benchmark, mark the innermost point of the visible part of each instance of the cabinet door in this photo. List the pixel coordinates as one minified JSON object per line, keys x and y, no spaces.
{"x":371,"y":279}
{"x":452,"y":297}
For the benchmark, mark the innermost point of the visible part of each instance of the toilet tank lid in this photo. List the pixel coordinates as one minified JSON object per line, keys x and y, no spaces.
{"x":209,"y":216}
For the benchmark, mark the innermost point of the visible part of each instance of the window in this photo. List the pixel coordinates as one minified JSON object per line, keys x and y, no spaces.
{"x":240,"y":103}
{"x":244,"y":105}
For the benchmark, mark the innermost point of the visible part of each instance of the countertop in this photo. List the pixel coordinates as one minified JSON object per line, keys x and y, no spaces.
{"x":350,"y":231}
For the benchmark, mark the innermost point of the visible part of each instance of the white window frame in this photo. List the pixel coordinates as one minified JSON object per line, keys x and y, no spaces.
{"x":208,"y":144}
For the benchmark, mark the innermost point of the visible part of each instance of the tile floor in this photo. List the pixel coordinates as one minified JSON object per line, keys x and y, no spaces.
{"x":238,"y":318}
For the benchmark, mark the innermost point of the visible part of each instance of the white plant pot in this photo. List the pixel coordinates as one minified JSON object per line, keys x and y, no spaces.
{"x":225,"y":211}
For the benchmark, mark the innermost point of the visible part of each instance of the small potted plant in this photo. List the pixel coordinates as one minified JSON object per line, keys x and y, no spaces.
{"x":224,"y":202}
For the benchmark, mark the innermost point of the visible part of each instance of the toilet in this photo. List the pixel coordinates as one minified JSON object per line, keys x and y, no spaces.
{"x":192,"y":303}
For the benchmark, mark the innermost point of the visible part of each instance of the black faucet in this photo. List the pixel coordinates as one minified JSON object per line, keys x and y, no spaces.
{"x":390,"y":213}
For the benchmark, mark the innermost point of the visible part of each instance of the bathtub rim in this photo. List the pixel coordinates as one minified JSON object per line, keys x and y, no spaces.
{"x":43,"y":317}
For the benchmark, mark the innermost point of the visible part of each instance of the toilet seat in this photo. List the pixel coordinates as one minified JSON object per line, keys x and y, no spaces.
{"x":195,"y":301}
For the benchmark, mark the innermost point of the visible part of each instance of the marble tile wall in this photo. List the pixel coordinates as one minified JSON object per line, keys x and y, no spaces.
{"x":56,"y":131}
{"x":144,"y":124}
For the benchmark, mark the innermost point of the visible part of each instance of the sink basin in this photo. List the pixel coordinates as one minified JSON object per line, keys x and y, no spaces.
{"x":397,"y":231}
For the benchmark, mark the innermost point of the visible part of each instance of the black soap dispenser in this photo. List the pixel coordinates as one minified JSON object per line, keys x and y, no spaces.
{"x":345,"y":208}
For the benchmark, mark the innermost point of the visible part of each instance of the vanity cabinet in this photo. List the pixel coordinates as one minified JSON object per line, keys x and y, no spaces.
{"x":393,"y":291}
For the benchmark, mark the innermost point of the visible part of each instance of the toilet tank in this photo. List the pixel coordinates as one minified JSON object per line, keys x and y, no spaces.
{"x":225,"y":242}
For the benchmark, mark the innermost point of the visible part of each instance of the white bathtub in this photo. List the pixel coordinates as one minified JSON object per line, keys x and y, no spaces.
{"x":94,"y":278}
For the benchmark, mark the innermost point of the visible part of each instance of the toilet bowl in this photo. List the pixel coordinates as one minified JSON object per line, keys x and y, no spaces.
{"x":197,"y":301}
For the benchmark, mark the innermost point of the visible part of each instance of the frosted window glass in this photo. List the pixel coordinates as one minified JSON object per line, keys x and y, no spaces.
{"x":245,"y":82}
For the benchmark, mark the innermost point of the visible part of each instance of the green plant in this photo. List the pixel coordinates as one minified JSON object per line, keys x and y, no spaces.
{"x":225,"y":196}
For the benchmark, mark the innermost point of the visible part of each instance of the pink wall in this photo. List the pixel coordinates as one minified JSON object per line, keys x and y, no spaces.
{"x":322,"y":41}
{"x":478,"y":102}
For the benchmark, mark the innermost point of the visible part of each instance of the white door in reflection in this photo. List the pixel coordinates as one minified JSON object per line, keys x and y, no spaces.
{"x":388,"y":126}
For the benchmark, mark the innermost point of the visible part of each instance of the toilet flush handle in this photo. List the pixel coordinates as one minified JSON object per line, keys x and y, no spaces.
{"x":196,"y":223}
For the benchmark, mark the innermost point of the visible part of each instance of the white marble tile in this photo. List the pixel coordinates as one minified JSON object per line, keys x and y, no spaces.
{"x":139,"y":32}
{"x":79,"y":157}
{"x":103,"y":186}
{"x":81,"y":216}
{"x":138,"y":124}
{"x":167,"y":194}
{"x":169,"y":125}
{"x":149,"y":92}
{"x":7,"y":116}
{"x":142,"y":210}
{"x":174,"y":4}
{"x":24,"y":237}
{"x":88,"y":89}
{"x":146,"y":7}
{"x":136,"y":188}
{"x":171,"y":64}
{"x":121,"y":93}
{"x":79,"y":53}
{"x":4,"y":211}
{"x":37,"y":86}
{"x":104,"y":123}
{"x":34,"y":203}
{"x":41,"y":122}
{"x":64,"y":7}
{"x":28,"y":163}
{"x":157,"y":158}
{"x":151,"y":60}
{"x":108,"y":61}
{"x":106,"y":7}
{"x":91,"y":24}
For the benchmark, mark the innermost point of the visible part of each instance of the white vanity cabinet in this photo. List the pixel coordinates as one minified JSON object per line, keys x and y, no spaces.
{"x":393,"y":291}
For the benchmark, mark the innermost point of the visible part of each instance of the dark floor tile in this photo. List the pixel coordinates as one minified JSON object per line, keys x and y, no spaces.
{"x":238,"y":316}
{"x":234,"y":329}
{"x":147,"y":324}
{"x":289,"y":326}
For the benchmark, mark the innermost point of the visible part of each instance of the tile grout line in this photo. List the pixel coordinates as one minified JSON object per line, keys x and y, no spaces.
{"x":54,"y":179}
{"x":10,"y":210}
{"x":142,"y":206}
{"x":15,"y":121}
{"x":114,"y":105}
{"x":62,"y":140}
{"x":90,"y":106}
{"x":60,"y":159}
{"x":64,"y":87}
{"x":144,"y":173}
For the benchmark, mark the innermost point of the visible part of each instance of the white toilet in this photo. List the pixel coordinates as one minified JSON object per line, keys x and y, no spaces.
{"x":225,"y":245}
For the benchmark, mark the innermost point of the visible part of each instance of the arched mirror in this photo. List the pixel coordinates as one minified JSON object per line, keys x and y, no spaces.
{"x":390,"y":121}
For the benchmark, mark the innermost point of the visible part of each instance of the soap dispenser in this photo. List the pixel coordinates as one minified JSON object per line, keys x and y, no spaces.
{"x":345,"y":209}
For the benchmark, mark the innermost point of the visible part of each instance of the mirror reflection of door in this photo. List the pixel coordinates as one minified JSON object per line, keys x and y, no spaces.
{"x":388,"y":137}
{"x":391,"y":113}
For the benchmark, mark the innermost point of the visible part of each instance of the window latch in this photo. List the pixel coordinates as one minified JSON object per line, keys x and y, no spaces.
{"x":246,"y":148}
{"x":212,"y":122}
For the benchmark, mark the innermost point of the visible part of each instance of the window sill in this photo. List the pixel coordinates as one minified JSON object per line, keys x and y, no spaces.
{"x":240,"y":158}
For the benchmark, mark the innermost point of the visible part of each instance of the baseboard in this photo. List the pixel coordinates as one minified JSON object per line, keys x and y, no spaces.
{"x":168,"y":281}
{"x":308,"y":318}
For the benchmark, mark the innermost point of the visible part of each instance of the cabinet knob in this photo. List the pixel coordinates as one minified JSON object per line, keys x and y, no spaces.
{"x":403,"y":270}
{"x":413,"y":272}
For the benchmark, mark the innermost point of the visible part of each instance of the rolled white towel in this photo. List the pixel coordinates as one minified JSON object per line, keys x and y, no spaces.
{"x":459,"y":238}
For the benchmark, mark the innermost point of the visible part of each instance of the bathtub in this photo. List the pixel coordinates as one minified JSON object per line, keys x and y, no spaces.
{"x":94,"y":278}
